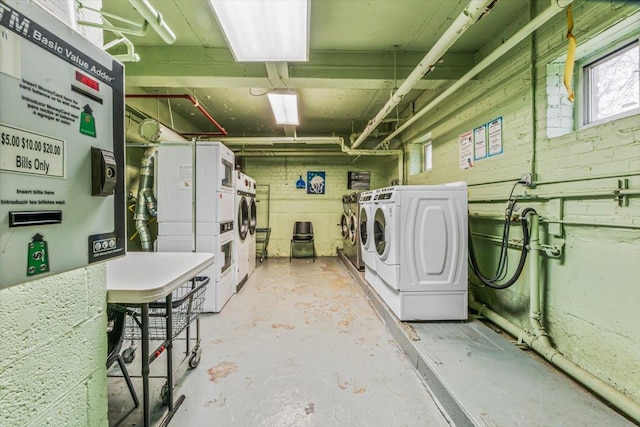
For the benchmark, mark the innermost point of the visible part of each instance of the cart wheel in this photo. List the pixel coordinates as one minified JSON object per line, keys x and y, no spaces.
{"x":129,"y":354}
{"x":194,"y":360}
{"x":164,"y":394}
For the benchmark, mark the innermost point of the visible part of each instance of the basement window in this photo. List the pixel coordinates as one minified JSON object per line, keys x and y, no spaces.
{"x":606,"y":80}
{"x":427,"y":149}
{"x":611,"y":85}
{"x":420,"y":155}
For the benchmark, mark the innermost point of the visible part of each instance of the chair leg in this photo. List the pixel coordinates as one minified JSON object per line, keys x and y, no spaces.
{"x":127,"y":378}
{"x":290,"y":250}
{"x":313,"y":251}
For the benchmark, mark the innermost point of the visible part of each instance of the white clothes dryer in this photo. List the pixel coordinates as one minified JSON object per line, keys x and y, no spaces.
{"x":242,"y":230}
{"x":210,"y":228}
{"x":246,"y":234}
{"x":420,"y":241}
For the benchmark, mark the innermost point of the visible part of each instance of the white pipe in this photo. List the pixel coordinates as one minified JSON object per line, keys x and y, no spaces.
{"x":556,"y":7}
{"x":154,"y":18}
{"x":463,"y":22}
{"x":539,"y":340}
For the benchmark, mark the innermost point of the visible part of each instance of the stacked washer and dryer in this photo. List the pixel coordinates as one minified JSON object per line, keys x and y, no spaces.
{"x":245,"y":202}
{"x":196,"y":210}
{"x":414,"y":246}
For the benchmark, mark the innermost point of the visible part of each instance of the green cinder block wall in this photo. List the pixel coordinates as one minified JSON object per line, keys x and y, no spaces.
{"x":288,"y":204}
{"x":591,"y":294}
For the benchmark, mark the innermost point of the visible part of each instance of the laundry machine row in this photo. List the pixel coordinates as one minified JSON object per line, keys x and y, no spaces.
{"x":196,"y":210}
{"x":245,"y":202}
{"x":414,"y":247}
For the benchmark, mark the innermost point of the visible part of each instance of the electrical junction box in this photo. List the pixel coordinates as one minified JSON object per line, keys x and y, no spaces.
{"x":62,"y":198}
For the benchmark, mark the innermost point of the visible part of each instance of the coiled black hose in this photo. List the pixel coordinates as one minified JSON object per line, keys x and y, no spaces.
{"x":501,"y":270}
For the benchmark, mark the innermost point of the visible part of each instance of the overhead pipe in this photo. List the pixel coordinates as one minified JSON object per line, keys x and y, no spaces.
{"x":538,"y":340}
{"x":154,"y":18}
{"x":556,"y":7}
{"x":310,"y":141}
{"x":191,"y":99}
{"x":470,"y":15}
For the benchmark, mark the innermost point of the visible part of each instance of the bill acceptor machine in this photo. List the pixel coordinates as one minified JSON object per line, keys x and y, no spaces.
{"x":61,"y":147}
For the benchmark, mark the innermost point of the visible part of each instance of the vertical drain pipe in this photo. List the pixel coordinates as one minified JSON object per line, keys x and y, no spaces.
{"x":539,"y":341}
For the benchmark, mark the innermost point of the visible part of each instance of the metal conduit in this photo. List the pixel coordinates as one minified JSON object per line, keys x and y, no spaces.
{"x":556,"y":7}
{"x":469,"y":16}
{"x":191,"y":99}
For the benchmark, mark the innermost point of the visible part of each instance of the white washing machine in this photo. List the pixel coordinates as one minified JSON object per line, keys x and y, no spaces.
{"x":206,"y":185}
{"x":352,"y":247}
{"x":367,"y":245}
{"x":420,"y":241}
{"x":245,"y":234}
{"x":345,"y":218}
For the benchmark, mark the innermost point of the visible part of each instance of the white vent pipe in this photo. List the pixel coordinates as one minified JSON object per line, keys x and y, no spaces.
{"x":470,"y":15}
{"x":154,"y":18}
{"x":556,"y":7}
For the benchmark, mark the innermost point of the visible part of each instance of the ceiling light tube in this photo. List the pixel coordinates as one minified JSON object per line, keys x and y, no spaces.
{"x":265,"y":30}
{"x":284,"y":105}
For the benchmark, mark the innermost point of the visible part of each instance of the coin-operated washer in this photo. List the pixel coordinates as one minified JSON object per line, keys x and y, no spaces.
{"x":62,"y":197}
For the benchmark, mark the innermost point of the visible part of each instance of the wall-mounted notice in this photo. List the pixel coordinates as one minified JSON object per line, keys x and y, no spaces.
{"x":465,"y":148}
{"x":495,"y":137}
{"x":480,"y":142}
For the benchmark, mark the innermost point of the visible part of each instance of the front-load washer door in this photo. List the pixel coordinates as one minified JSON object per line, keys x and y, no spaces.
{"x":344,"y":226}
{"x":381,"y":235}
{"x":353,"y":228}
{"x":365,"y":235}
{"x":243,"y":219}
{"x":253,"y":216}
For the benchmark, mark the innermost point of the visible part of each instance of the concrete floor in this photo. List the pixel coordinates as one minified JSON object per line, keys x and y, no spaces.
{"x":300,"y":345}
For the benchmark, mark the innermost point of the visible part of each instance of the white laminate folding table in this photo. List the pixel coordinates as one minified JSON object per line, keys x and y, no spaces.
{"x":142,"y":278}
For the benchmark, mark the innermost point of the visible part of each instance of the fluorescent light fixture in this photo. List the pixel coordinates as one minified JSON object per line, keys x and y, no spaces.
{"x":265,"y":30}
{"x":284,"y":105}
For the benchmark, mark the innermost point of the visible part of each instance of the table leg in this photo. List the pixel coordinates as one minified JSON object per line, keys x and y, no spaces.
{"x":173,"y":406}
{"x":145,"y":364}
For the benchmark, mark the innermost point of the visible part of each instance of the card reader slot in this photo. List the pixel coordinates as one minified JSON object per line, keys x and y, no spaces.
{"x":26,"y":218}
{"x":83,"y":92}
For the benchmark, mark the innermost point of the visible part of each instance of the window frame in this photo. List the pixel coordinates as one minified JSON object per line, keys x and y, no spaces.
{"x":583,"y":94}
{"x":427,"y":156}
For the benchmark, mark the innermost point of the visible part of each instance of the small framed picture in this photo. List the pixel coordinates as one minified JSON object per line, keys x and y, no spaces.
{"x":358,"y":180}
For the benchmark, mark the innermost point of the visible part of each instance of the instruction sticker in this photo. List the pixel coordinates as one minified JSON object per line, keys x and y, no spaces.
{"x":31,"y":153}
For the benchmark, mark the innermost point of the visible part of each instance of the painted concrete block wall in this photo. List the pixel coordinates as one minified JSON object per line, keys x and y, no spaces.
{"x":53,"y":342}
{"x":288,"y":204}
{"x":592,"y":293}
{"x":53,"y":351}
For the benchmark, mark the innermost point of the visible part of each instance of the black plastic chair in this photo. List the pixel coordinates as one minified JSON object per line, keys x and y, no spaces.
{"x":115,"y":335}
{"x":302,"y":234}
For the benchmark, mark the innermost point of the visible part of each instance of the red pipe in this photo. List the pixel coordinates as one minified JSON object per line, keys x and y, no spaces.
{"x":195,"y":102}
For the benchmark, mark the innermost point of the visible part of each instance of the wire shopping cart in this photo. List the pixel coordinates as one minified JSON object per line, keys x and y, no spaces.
{"x":187,"y":303}
{"x":262,"y":241}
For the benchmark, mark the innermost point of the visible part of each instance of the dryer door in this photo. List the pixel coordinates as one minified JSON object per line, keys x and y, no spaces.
{"x":243,"y":219}
{"x":353,"y":228}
